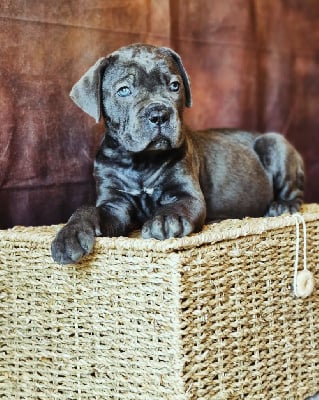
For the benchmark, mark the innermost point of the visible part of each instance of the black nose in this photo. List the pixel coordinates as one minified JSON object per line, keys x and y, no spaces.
{"x":159,"y":115}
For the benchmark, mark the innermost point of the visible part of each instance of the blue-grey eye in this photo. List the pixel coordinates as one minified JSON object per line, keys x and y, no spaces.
{"x":124,"y":91}
{"x":174,"y":86}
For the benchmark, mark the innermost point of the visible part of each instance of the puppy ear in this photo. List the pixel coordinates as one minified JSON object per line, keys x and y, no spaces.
{"x":86,"y":93}
{"x":182,"y":71}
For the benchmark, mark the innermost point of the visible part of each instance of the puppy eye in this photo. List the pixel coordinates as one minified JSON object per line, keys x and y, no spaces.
{"x":124,"y":91}
{"x":174,"y":86}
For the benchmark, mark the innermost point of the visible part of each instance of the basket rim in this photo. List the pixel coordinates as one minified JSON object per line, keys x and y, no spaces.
{"x":211,"y":233}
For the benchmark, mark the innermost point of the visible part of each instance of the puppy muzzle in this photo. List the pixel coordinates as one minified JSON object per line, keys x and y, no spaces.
{"x":158,"y":114}
{"x":159,"y":143}
{"x":159,"y":120}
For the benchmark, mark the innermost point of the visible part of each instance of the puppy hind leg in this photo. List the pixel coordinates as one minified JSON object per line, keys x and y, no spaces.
{"x":284,"y":166}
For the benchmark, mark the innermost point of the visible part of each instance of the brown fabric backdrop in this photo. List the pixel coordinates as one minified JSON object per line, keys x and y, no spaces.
{"x":253,"y":64}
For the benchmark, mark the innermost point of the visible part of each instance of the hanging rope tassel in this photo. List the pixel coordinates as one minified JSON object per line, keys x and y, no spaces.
{"x":304,"y":281}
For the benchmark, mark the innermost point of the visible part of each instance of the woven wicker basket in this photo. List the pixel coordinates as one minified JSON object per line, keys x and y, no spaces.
{"x":210,"y":316}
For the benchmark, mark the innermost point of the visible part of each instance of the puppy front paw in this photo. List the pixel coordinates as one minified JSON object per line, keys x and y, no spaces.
{"x":71,"y":243}
{"x":166,"y":226}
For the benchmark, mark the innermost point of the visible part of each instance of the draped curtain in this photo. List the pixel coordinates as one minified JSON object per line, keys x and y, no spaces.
{"x":253,"y":64}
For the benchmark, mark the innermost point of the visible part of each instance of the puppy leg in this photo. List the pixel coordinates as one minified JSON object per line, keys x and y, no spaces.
{"x":284,"y":166}
{"x":76,"y":238}
{"x":175,"y":220}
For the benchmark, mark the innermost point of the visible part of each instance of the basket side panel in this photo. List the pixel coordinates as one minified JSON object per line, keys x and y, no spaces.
{"x":245,"y":335}
{"x":104,"y":329}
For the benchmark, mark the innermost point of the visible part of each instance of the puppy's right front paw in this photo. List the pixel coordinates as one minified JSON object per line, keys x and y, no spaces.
{"x":71,"y":243}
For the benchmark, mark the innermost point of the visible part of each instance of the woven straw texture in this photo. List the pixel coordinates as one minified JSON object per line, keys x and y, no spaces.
{"x":210,"y":316}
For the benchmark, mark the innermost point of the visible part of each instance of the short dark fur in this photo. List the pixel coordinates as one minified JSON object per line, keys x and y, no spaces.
{"x":153,"y":173}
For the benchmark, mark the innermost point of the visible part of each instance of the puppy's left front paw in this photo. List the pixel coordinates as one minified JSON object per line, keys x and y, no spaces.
{"x":166,"y":226}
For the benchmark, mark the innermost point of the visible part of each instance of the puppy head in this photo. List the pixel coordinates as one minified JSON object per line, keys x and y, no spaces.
{"x":141,"y":90}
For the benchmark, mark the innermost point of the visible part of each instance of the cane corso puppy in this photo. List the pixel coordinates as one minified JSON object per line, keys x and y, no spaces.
{"x":153,"y":173}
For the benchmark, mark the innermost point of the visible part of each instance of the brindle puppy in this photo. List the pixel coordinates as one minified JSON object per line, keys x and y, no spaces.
{"x":154,"y":173}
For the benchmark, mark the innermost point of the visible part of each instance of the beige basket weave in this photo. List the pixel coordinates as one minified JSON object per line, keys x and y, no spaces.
{"x":210,"y":316}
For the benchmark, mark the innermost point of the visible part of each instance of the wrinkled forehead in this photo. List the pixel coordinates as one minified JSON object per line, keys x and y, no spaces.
{"x":148,"y":58}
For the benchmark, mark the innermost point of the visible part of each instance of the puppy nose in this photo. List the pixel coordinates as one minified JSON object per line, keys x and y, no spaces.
{"x":159,"y":115}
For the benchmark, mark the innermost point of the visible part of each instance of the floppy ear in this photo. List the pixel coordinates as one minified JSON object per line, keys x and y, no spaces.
{"x":86,"y":93}
{"x":182,"y":71}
